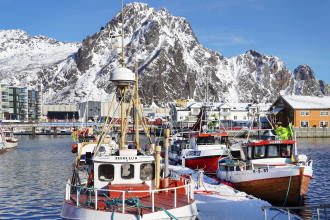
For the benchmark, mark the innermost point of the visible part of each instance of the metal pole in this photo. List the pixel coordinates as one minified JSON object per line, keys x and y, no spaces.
{"x":78,"y":196}
{"x":122,"y":139}
{"x":95,"y":199}
{"x":152,"y":201}
{"x":123,"y":202}
{"x":174,"y":197}
{"x":137,"y":138}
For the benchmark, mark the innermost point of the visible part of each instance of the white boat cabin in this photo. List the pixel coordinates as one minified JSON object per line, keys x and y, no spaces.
{"x":208,"y":140}
{"x":127,"y":167}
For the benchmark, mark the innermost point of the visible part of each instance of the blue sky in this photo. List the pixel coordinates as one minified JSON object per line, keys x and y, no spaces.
{"x":297,"y":31}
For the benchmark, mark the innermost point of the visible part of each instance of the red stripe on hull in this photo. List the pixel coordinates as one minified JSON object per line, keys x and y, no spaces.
{"x":208,"y":164}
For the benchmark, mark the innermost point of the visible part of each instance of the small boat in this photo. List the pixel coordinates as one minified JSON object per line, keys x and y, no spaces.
{"x":10,"y":140}
{"x":268,"y":169}
{"x":203,"y":148}
{"x":2,"y":146}
{"x":200,"y":151}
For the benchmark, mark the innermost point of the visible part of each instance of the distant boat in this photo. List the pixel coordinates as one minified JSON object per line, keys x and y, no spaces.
{"x":203,"y":148}
{"x":268,"y":169}
{"x":10,"y":140}
{"x":200,"y":151}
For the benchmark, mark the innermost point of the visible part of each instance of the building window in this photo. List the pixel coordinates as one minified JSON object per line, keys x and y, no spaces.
{"x":324,"y":113}
{"x":323,"y":124}
{"x":304,"y":124}
{"x":304,"y":113}
{"x":235,"y":117}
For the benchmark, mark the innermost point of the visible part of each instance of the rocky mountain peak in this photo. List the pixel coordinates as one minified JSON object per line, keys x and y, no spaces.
{"x":304,"y":72}
{"x":172,"y":64}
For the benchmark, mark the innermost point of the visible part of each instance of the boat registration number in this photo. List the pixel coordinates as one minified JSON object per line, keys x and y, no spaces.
{"x":260,"y":170}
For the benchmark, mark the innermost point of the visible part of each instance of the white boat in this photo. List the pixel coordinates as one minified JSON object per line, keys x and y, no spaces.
{"x":201,"y":149}
{"x":10,"y":140}
{"x":268,"y":169}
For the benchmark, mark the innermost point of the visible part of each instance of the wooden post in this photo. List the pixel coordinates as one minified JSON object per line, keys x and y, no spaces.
{"x":157,"y":170}
{"x":166,"y":145}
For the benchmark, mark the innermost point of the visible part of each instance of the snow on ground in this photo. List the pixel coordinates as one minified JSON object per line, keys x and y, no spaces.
{"x":226,"y":203}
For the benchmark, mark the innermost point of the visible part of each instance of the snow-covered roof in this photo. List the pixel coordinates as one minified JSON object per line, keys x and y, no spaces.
{"x":308,"y":102}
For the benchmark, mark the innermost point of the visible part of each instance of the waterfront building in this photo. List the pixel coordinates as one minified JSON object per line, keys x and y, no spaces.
{"x":60,"y":113}
{"x":19,"y":104}
{"x":227,"y":114}
{"x":97,"y":111}
{"x":302,"y":111}
{"x":4,"y":105}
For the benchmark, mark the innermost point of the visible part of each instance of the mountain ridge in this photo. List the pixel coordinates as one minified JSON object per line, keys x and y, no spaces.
{"x":172,"y":65}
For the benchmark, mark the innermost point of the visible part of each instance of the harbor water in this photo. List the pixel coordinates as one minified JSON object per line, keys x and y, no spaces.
{"x":33,"y":176}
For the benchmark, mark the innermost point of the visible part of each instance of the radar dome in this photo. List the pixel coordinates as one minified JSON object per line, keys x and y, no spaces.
{"x":122,"y":76}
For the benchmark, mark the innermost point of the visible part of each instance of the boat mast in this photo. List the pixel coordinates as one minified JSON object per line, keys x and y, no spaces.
{"x":137,"y":136}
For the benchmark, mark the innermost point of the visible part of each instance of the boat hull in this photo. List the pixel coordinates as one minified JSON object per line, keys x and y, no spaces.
{"x":208,"y":163}
{"x":287,"y":187}
{"x":70,"y":211}
{"x":11,"y":144}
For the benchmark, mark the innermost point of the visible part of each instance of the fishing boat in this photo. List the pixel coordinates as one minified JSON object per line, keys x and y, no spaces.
{"x":118,"y":181}
{"x":268,"y":169}
{"x":201,"y":149}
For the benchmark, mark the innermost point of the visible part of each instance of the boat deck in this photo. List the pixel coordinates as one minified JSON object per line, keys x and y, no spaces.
{"x":162,"y":200}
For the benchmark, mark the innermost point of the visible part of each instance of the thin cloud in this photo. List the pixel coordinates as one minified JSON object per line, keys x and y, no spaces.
{"x":226,"y":40}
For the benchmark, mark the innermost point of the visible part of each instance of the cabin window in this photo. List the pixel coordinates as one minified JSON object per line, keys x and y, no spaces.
{"x":106,"y":172}
{"x":285,"y":150}
{"x":273,"y":151}
{"x":206,"y":140}
{"x":127,"y":171}
{"x":249,"y":152}
{"x":147,"y":171}
{"x":224,"y":139}
{"x":259,"y":151}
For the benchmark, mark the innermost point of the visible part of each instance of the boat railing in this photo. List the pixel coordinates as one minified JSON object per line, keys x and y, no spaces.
{"x":322,"y":211}
{"x":124,"y":194}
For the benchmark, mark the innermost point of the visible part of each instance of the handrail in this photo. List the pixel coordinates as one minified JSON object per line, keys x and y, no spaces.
{"x":187,"y":186}
{"x":322,"y":206}
{"x":154,"y":190}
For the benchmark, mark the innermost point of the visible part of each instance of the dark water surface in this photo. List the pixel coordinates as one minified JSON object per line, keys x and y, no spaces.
{"x":319,"y":188}
{"x":33,"y":176}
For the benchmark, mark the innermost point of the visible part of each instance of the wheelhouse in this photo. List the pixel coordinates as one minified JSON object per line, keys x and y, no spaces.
{"x":124,"y":168}
{"x":269,"y":149}
{"x":211,"y":138}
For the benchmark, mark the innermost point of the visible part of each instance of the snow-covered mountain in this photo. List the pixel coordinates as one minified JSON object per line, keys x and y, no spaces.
{"x":172,"y":64}
{"x":22,"y":56}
